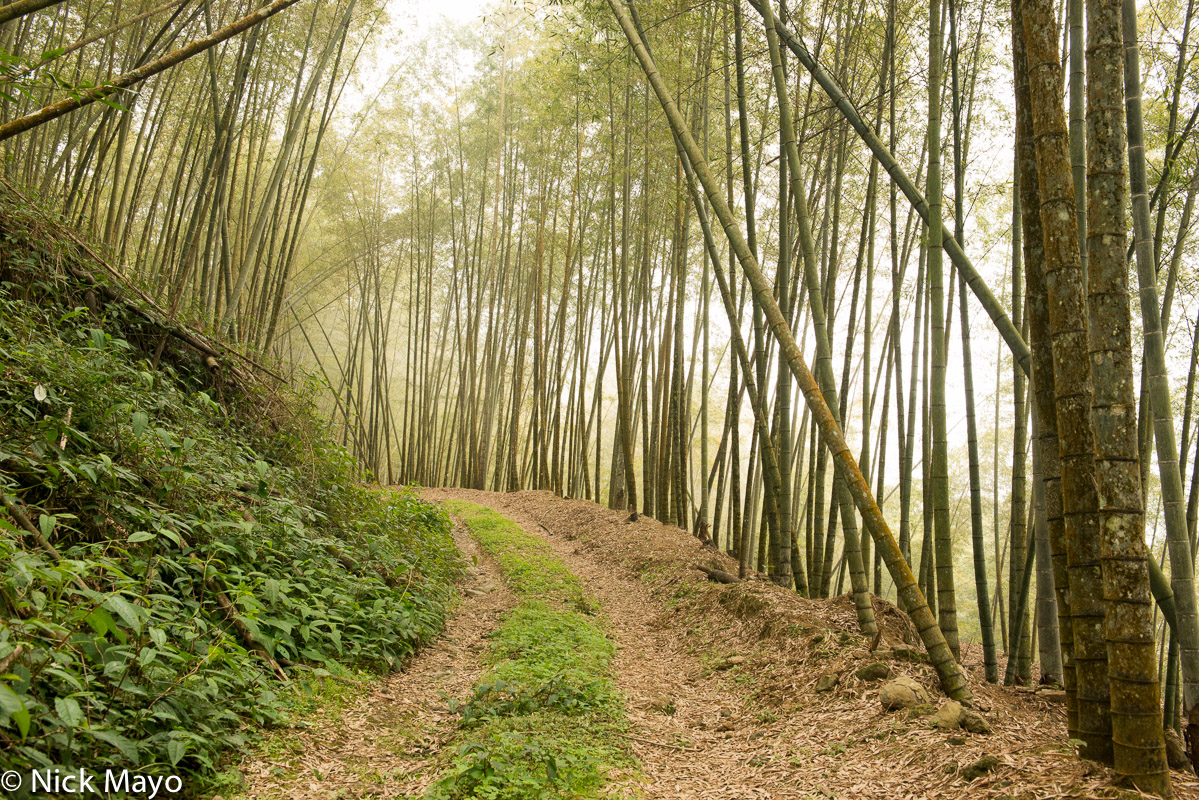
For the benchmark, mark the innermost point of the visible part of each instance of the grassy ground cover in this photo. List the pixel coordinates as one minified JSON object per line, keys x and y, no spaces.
{"x":545,"y":721}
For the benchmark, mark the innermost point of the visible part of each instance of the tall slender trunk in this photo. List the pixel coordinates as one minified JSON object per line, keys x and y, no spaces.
{"x":1180,"y":543}
{"x":952,"y":679}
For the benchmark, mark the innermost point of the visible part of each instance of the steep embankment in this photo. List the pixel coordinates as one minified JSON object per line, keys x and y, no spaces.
{"x":184,"y":556}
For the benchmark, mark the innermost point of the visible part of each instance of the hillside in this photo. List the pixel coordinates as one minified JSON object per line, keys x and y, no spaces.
{"x":185,"y":558}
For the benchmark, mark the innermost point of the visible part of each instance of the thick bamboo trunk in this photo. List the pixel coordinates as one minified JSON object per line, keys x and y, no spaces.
{"x":1073,"y":387}
{"x":1043,"y":390}
{"x":1139,"y":748}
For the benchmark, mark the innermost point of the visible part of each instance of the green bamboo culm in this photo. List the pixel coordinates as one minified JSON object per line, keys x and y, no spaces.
{"x":824,"y":353}
{"x":1186,"y":626}
{"x":952,"y":679}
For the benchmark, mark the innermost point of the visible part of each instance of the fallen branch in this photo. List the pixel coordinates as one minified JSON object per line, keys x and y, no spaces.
{"x":20,"y":8}
{"x":8,"y":660}
{"x":247,"y":636}
{"x":22,"y":519}
{"x":718,"y":575}
{"x":185,"y":335}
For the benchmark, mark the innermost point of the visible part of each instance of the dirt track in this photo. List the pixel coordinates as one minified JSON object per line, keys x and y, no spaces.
{"x":384,"y":745}
{"x":719,"y":683}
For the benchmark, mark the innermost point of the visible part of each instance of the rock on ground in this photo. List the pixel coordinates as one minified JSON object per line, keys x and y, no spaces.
{"x":948,"y":716}
{"x":874,"y":672}
{"x":902,"y":692}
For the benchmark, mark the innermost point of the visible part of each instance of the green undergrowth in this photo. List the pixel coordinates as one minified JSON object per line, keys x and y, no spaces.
{"x":545,"y":721}
{"x":168,"y":533}
{"x":526,"y":561}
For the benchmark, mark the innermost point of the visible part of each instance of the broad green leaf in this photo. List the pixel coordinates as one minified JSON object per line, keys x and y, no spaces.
{"x":140,"y":422}
{"x":9,"y":702}
{"x":140,"y":536}
{"x":13,"y":708}
{"x":46,"y":523}
{"x":176,"y":748}
{"x":125,"y":610}
{"x":22,"y":719}
{"x":69,"y":711}
{"x":101,"y":621}
{"x":123,"y":745}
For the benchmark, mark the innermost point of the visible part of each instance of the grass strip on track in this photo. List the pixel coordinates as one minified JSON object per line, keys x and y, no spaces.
{"x":542,"y":722}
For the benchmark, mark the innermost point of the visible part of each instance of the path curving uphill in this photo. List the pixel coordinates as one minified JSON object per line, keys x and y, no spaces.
{"x":729,"y":691}
{"x":724,"y":683}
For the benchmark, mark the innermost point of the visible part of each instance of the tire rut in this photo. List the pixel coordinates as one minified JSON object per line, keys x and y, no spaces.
{"x":693,"y":728}
{"x":386,"y":743}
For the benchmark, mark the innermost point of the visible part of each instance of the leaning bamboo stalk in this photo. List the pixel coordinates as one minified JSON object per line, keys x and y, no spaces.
{"x":770,"y":461}
{"x":1009,"y":332}
{"x":89,"y":96}
{"x":20,"y":8}
{"x":953,"y":680}
{"x":89,"y":39}
{"x":853,"y":552}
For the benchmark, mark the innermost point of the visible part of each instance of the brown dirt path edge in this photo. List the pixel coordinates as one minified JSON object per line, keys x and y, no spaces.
{"x":719,"y":682}
{"x":385,"y":744}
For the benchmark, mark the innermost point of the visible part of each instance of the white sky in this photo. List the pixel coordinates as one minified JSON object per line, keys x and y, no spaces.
{"x":408,"y":23}
{"x":426,"y":13}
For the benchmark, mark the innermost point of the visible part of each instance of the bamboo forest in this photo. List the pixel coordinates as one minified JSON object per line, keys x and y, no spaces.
{"x":533,"y":399}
